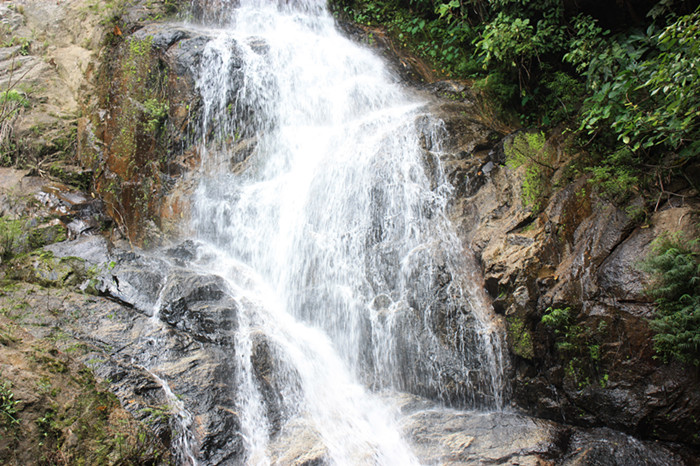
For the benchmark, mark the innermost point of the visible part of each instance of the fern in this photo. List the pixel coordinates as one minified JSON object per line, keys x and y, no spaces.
{"x":675,"y":265}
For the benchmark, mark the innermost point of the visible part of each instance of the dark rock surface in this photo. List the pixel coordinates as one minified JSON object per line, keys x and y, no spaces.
{"x":442,"y":436}
{"x":152,"y":67}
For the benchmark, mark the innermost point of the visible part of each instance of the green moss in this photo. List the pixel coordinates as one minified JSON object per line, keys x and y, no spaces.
{"x":43,"y":268}
{"x":529,"y":150}
{"x":23,"y":235}
{"x":80,"y":179}
{"x":579,"y":345}
{"x":520,"y":337}
{"x":156,"y":112}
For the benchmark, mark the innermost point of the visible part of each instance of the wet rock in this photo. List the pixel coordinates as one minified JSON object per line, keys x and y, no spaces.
{"x":38,"y":212}
{"x":240,"y":154}
{"x":123,"y":132}
{"x":58,"y":396}
{"x":151,"y":366}
{"x":199,"y":305}
{"x":279,"y":383}
{"x":299,"y":444}
{"x":441,"y":436}
{"x":259,"y":45}
{"x":405,"y":66}
{"x":94,"y":250}
{"x":163,"y":37}
{"x":605,"y":446}
{"x":183,"y":252}
{"x":444,"y":437}
{"x":133,"y":280}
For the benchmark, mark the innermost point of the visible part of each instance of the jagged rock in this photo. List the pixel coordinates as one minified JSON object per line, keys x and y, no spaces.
{"x":444,"y":437}
{"x":299,"y":444}
{"x":38,"y":211}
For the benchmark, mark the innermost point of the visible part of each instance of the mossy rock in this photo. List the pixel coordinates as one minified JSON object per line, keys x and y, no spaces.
{"x":43,"y":268}
{"x":24,"y":235}
{"x":71,"y":175}
{"x":519,"y":338}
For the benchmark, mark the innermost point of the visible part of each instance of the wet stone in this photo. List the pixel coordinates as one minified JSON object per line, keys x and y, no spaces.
{"x":199,"y":305}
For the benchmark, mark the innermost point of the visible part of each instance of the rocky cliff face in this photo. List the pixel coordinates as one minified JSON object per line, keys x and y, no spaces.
{"x":547,"y":240}
{"x":553,"y":242}
{"x":572,"y":251}
{"x":579,"y":254}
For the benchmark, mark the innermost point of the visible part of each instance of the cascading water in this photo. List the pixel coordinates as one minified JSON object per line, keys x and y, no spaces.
{"x":322,"y":203}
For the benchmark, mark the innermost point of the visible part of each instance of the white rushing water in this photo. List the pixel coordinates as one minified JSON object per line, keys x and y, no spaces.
{"x":323,"y":204}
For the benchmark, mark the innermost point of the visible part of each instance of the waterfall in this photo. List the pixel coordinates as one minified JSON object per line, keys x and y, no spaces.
{"x":323,"y":204}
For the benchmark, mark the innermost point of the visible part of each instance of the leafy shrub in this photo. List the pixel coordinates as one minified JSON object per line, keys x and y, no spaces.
{"x":561,"y":98}
{"x":675,"y":264}
{"x":557,"y":318}
{"x":644,"y":86}
{"x":498,"y":86}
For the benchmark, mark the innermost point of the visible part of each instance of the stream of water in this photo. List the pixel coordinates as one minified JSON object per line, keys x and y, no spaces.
{"x":323,"y":204}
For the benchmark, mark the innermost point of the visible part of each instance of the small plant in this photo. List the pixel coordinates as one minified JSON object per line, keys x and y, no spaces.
{"x":156,"y":113}
{"x":675,"y":265}
{"x":8,"y":405}
{"x":617,"y":177}
{"x":521,"y":338}
{"x":12,"y":103}
{"x":48,"y":426}
{"x":160,"y":413}
{"x":10,"y":233}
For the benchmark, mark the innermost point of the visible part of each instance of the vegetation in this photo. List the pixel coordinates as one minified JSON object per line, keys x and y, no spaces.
{"x":10,"y":233}
{"x":12,"y":104}
{"x":675,"y":263}
{"x":521,"y":339}
{"x":529,"y":150}
{"x":579,"y":346}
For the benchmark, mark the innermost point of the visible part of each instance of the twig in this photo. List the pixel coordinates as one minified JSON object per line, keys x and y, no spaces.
{"x":537,"y":161}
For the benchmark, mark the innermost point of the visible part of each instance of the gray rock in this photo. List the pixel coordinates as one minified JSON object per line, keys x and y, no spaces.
{"x":199,"y":305}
